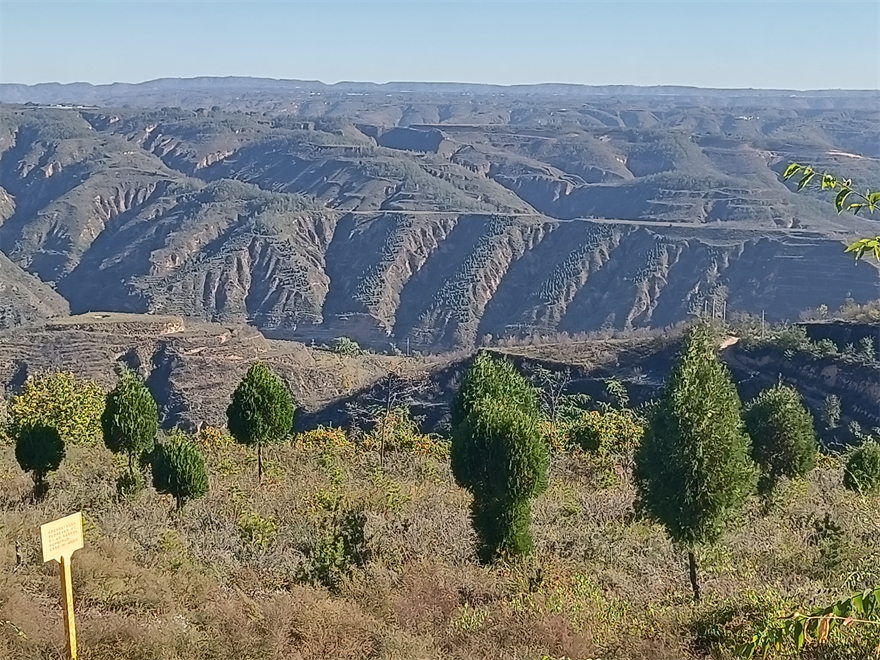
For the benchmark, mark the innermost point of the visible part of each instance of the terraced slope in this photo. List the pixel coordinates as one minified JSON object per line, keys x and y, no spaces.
{"x":190,"y":367}
{"x":435,"y":222}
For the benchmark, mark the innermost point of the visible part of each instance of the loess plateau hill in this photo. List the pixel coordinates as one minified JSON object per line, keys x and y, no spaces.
{"x":436,"y":216}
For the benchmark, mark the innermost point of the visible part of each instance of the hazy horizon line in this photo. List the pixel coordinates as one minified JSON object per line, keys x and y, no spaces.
{"x":431,"y":82}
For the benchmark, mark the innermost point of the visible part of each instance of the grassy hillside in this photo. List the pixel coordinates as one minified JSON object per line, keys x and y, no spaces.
{"x":339,"y":554}
{"x":249,"y":572}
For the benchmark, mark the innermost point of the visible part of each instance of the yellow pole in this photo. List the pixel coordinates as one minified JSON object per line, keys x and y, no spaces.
{"x":67,"y":606}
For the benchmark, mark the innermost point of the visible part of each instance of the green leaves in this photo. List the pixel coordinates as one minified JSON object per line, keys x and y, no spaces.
{"x":841,"y":198}
{"x":791,"y":170}
{"x":870,"y":200}
{"x":860,"y":247}
{"x":799,"y":630}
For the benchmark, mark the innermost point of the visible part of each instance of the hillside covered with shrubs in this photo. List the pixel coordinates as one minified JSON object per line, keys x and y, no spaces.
{"x":540,"y":524}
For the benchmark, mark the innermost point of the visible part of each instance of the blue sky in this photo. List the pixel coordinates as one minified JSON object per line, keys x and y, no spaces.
{"x":785,"y":44}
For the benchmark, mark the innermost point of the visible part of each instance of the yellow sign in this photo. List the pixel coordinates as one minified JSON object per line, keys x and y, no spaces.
{"x":61,"y":538}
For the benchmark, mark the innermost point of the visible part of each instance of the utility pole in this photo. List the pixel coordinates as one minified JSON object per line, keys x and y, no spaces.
{"x":762,"y":324}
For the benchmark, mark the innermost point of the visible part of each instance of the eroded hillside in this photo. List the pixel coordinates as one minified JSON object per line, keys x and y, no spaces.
{"x":432,"y":222}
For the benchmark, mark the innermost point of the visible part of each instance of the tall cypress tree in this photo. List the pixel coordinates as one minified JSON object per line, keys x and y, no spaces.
{"x":498,"y":454}
{"x":131,"y":419}
{"x":262,"y":411}
{"x":693,"y":469}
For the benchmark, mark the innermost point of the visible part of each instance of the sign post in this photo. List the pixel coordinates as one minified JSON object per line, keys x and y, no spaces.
{"x":61,"y":538}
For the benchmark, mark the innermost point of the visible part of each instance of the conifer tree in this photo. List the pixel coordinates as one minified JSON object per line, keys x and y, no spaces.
{"x":179,"y":469}
{"x":131,"y":419}
{"x":693,"y":469}
{"x":783,"y":435}
{"x":40,"y":450}
{"x":499,"y":455}
{"x":262,"y":411}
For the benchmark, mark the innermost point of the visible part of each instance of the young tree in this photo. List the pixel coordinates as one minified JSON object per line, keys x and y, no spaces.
{"x":831,"y":411}
{"x":262,"y":411}
{"x":388,"y":401}
{"x":498,"y":454}
{"x":862,"y":472}
{"x":131,"y":419}
{"x":783,"y":436}
{"x":40,"y":450}
{"x":61,"y":401}
{"x":179,"y":469}
{"x":692,"y":469}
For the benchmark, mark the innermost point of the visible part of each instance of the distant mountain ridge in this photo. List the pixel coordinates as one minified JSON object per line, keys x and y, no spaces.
{"x":82,"y":93}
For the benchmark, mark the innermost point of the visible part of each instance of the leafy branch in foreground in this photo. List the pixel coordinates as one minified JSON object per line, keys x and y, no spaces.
{"x":801,"y":629}
{"x":870,"y":201}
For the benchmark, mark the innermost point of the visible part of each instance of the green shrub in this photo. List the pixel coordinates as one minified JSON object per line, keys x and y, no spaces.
{"x":131,"y":419}
{"x":790,"y":338}
{"x":339,"y":551}
{"x":61,"y":401}
{"x":346,"y":346}
{"x":262,"y":411}
{"x":324,"y":437}
{"x":179,"y":469}
{"x":211,"y":438}
{"x":398,"y":431}
{"x":610,"y":432}
{"x":498,"y":453}
{"x":40,"y":450}
{"x":257,"y":531}
{"x":130,"y":483}
{"x":728,"y":626}
{"x":783,"y":436}
{"x":862,"y":472}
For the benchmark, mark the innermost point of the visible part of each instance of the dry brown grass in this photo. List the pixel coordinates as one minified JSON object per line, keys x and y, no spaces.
{"x":151,"y":583}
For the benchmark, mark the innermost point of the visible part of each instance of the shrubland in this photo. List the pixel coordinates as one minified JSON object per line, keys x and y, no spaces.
{"x":338,"y":553}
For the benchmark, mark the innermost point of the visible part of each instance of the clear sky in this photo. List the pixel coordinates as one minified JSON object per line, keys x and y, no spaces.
{"x":784,"y":44}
